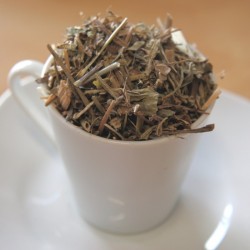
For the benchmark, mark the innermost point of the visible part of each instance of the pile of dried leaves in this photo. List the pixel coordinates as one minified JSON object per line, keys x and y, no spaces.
{"x":129,"y":82}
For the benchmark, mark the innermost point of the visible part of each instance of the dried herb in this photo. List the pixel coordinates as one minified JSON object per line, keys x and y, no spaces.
{"x":129,"y":81}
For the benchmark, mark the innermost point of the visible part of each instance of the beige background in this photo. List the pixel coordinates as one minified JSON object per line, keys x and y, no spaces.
{"x":219,"y":28}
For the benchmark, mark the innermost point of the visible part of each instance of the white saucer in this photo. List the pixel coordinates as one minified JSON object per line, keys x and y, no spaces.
{"x":36,"y":211}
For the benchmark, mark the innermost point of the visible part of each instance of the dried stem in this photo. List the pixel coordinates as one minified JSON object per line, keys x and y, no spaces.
{"x":50,"y":99}
{"x":211,"y":99}
{"x":66,"y":71}
{"x":106,"y":87}
{"x":101,"y":72}
{"x":207,"y":128}
{"x":66,"y":59}
{"x":79,"y":114}
{"x":106,"y":116}
{"x":98,"y":104}
{"x":107,"y":113}
{"x":85,"y":77}
{"x":114,"y":131}
{"x":106,"y":70}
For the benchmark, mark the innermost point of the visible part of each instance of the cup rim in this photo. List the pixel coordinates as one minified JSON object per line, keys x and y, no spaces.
{"x":161,"y":139}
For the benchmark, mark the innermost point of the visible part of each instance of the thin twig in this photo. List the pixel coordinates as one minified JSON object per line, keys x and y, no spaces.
{"x":106,"y":87}
{"x":91,"y":76}
{"x":211,"y":99}
{"x":207,"y":128}
{"x":107,"y":113}
{"x":50,"y":99}
{"x":85,"y":77}
{"x":66,"y":58}
{"x":66,"y":71}
{"x":79,"y":114}
{"x":98,"y":104}
{"x":114,"y":131}
{"x":160,"y":24}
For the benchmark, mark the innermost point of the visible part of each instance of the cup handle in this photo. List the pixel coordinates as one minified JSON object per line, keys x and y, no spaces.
{"x":27,"y":95}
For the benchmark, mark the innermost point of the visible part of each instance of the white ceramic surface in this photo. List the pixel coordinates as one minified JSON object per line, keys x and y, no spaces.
{"x":36,"y":211}
{"x":119,"y":186}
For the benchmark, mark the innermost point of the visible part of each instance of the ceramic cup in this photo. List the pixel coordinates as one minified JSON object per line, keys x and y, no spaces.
{"x":118,"y":186}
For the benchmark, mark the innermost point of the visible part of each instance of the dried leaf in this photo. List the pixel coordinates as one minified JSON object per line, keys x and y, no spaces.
{"x":166,"y":113}
{"x":116,"y":122}
{"x":137,"y":45}
{"x":170,"y":54}
{"x":64,"y":94}
{"x":97,"y":84}
{"x":147,"y":133}
{"x":162,"y":68}
{"x":152,"y":54}
{"x":146,"y":98}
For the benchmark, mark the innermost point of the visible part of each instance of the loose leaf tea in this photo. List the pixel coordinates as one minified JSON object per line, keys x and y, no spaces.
{"x":129,"y":81}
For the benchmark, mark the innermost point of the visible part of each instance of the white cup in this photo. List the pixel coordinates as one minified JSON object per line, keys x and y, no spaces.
{"x":118,"y":186}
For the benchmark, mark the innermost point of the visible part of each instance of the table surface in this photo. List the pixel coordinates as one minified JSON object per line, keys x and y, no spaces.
{"x":219,"y":28}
